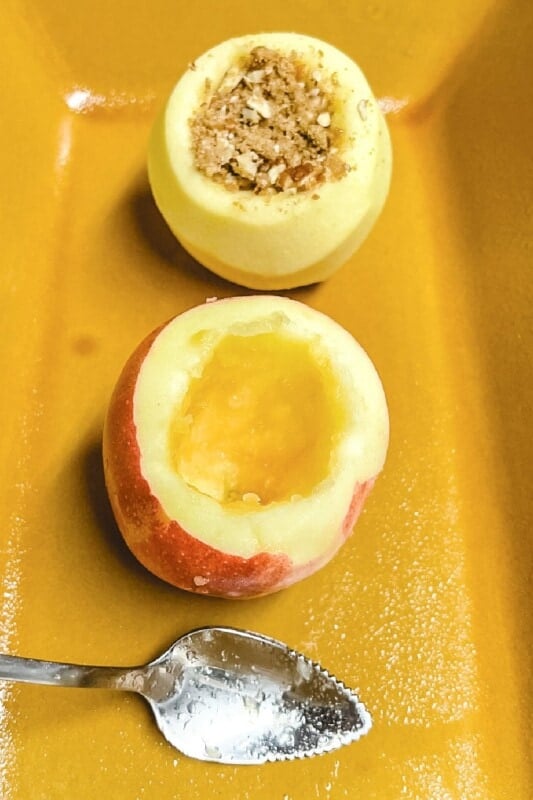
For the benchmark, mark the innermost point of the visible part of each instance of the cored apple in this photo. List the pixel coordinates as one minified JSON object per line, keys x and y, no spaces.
{"x":307,"y":219}
{"x":240,"y":444}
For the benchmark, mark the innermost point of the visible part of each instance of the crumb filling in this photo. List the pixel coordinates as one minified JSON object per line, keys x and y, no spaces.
{"x":259,"y":423}
{"x":269,"y":126}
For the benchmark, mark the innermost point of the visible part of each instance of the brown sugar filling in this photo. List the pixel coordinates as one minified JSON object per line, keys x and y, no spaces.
{"x":268,"y":127}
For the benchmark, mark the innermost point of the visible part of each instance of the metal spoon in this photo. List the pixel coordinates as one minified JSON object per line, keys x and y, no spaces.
{"x":226,"y":695}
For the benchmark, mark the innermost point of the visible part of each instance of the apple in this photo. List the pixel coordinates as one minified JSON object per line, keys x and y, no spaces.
{"x":286,"y":239}
{"x":240,"y":444}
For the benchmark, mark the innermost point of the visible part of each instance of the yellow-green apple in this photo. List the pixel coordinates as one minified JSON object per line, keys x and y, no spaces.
{"x":240,"y":444}
{"x":273,"y":239}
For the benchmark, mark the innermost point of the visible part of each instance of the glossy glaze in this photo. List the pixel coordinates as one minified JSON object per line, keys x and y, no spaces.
{"x":426,"y":611}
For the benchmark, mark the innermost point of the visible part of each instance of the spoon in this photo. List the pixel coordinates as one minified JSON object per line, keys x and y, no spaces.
{"x":226,"y":695}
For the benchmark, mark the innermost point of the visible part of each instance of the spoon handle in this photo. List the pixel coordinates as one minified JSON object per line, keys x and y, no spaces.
{"x":53,"y":673}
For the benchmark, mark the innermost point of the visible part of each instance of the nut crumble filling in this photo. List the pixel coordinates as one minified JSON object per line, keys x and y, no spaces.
{"x":268,"y":127}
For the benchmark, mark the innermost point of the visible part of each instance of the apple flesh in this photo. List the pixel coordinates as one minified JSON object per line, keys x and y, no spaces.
{"x":240,"y":444}
{"x":285,"y":240}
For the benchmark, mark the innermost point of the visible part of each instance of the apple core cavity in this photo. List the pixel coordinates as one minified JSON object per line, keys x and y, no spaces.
{"x":258,"y":424}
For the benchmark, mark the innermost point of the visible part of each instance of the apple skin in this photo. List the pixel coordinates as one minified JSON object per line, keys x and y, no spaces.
{"x":161,"y":544}
{"x":283,"y":241}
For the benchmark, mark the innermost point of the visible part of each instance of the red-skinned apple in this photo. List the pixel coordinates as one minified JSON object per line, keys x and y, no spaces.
{"x":240,"y":444}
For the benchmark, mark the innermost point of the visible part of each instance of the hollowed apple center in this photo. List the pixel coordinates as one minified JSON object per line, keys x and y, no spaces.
{"x":258,"y":425}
